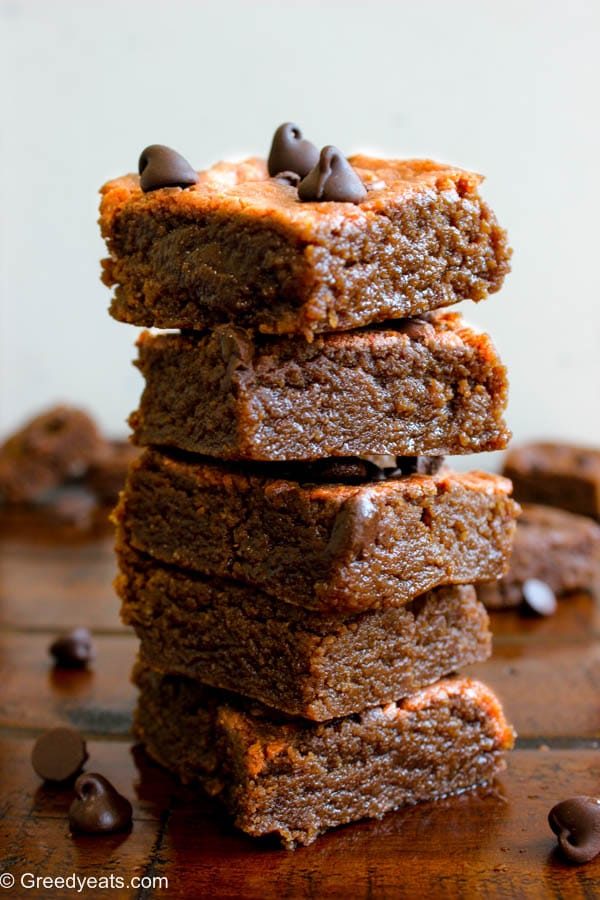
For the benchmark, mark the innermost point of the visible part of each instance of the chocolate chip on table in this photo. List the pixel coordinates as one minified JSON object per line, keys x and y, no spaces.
{"x":332,"y":178}
{"x":538,"y":598}
{"x":74,"y":649}
{"x":161,"y":167}
{"x":576,"y":822}
{"x":290,"y":152}
{"x":59,"y":754}
{"x":98,"y":808}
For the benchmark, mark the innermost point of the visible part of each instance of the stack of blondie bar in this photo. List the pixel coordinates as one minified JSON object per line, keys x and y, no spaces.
{"x":296,"y":557}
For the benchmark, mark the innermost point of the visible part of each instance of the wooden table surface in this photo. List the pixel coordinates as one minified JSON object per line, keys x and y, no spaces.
{"x":492,"y":842}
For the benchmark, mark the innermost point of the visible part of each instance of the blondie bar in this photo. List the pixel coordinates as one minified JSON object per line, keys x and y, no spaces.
{"x":305,"y":663}
{"x":52,"y":448}
{"x":554,"y":474}
{"x":295,"y":778}
{"x":430,"y":386}
{"x":241,"y":247}
{"x":326,"y":546}
{"x":553,"y":546}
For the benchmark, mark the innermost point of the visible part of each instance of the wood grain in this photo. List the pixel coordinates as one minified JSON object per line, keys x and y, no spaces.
{"x":492,"y":842}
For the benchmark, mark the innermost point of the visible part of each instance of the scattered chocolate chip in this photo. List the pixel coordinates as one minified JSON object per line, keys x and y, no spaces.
{"x":73,"y":650}
{"x":160,"y":167}
{"x":576,"y":822}
{"x":333,"y":178}
{"x":538,"y":598}
{"x":290,"y":152}
{"x":416,"y":329}
{"x":58,"y":754}
{"x":415,"y":465}
{"x":291,"y":178}
{"x":98,"y":808}
{"x":343,"y":470}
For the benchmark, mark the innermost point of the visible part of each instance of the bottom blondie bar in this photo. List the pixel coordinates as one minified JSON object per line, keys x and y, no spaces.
{"x":293,"y":778}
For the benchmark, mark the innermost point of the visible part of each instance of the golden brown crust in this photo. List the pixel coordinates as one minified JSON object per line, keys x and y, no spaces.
{"x":245,"y":188}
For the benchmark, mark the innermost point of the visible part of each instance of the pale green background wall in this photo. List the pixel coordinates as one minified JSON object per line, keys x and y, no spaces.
{"x":509,"y":89}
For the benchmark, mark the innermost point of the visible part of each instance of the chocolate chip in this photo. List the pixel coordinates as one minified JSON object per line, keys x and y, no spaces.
{"x":73,"y":650}
{"x":576,"y":822}
{"x":291,"y":178}
{"x":333,"y":178}
{"x":538,"y":598}
{"x":343,"y":470}
{"x":160,"y":167}
{"x":355,"y":528}
{"x":415,"y":465}
{"x":98,"y":808}
{"x":58,"y":754}
{"x":290,"y":152}
{"x":416,"y":329}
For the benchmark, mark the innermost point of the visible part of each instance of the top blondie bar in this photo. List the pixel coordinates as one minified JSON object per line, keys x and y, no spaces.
{"x":240,"y":247}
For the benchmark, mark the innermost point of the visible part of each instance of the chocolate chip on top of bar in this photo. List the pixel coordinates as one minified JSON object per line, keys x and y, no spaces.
{"x":290,"y":152}
{"x":160,"y":167}
{"x":290,"y":178}
{"x":333,"y":178}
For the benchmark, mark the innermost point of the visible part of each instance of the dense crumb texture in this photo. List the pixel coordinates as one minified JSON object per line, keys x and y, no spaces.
{"x":555,"y":474}
{"x":304,"y":663}
{"x":423,"y":387}
{"x":325,"y":546}
{"x":554,"y":546}
{"x":296,"y":779}
{"x":54,"y":447}
{"x":239,"y":247}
